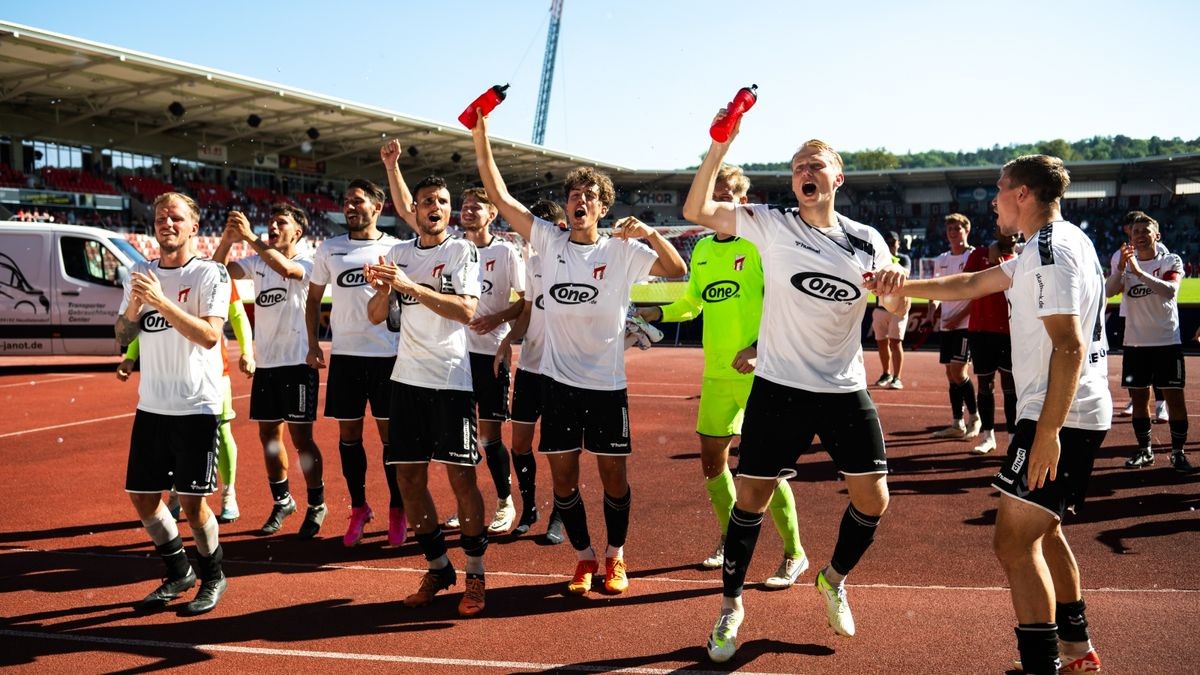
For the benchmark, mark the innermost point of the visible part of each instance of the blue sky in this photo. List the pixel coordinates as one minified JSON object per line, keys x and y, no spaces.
{"x":636,"y":83}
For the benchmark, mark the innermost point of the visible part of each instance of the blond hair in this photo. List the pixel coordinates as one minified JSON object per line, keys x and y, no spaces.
{"x":821,"y":146}
{"x":190,"y":203}
{"x":735,"y":178}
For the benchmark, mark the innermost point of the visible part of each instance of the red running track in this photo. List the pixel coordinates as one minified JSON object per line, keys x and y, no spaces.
{"x":928,"y":598}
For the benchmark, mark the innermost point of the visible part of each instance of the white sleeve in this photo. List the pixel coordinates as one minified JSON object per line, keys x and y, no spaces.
{"x":1059,"y":285}
{"x":320,"y":267}
{"x":214,"y":298}
{"x":307,"y":265}
{"x":465,"y":276}
{"x":541,"y":234}
{"x":756,"y":224}
{"x":516,"y":270}
{"x":640,"y":259}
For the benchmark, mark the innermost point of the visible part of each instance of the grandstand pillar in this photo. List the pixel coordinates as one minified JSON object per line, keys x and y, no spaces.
{"x":167,"y":170}
{"x":18,"y":153}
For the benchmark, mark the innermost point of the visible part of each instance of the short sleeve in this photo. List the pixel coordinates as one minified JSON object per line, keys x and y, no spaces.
{"x":319,"y":273}
{"x":516,"y":270}
{"x":542,"y":234}
{"x":214,"y":300}
{"x":465,"y":277}
{"x":756,"y":224}
{"x":1058,"y":284}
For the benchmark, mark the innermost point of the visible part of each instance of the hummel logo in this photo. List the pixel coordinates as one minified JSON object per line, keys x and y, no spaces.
{"x":808,"y":248}
{"x":341,"y":253}
{"x":261,"y":274}
{"x":730,"y":567}
{"x":702,"y":262}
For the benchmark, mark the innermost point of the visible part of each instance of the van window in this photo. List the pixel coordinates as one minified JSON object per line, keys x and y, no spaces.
{"x":89,"y":260}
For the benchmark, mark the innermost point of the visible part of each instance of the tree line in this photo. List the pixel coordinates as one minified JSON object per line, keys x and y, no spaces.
{"x":1089,"y":149}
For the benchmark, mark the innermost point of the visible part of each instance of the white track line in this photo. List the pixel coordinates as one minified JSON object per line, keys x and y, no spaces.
{"x":81,"y":422}
{"x":716,"y":582}
{"x":346,"y":656}
{"x":65,"y":378}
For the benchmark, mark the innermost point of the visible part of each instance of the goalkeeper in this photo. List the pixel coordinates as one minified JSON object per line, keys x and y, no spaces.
{"x":726,"y":283}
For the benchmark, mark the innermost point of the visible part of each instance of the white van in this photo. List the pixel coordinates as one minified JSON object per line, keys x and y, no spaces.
{"x":60,"y":288}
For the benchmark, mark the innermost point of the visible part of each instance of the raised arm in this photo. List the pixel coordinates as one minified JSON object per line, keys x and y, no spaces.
{"x":700,"y":207}
{"x":402,"y":199}
{"x":238,"y":227}
{"x":514,"y":212}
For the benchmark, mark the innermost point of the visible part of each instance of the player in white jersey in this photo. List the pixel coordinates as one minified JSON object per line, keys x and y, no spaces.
{"x":1161,"y":414}
{"x":285,"y":387}
{"x":1150,"y":283}
{"x":1056,"y":293}
{"x":810,"y":379}
{"x":502,"y":275}
{"x":587,"y":281}
{"x":177,"y":304}
{"x":529,"y":326}
{"x":363,"y":353}
{"x":433,"y":403}
{"x":952,"y":318}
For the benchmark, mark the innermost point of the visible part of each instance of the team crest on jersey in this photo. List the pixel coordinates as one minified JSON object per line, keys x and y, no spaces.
{"x":739,"y":263}
{"x":489,"y":265}
{"x":598,"y":272}
{"x":183,"y":293}
{"x":437,"y":271}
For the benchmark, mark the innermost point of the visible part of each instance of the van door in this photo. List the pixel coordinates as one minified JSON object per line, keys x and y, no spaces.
{"x":25,"y":315}
{"x":88,"y":295}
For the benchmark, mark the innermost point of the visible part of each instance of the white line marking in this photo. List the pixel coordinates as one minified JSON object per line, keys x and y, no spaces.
{"x":37,"y":382}
{"x":347,"y":656}
{"x":81,"y":422}
{"x":354,"y":567}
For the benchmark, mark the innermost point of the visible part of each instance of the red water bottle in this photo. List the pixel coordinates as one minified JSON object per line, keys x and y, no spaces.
{"x":486,"y":102}
{"x":743,"y":101}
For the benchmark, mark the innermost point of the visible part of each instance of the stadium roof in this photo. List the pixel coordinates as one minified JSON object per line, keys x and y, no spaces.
{"x":55,"y":86}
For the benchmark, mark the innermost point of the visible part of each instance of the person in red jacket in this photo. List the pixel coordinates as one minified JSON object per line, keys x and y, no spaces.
{"x":991,"y":348}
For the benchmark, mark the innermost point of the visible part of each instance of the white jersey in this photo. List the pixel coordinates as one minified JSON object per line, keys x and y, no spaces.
{"x":280,"y":334}
{"x":501,"y":272}
{"x":339,"y":261}
{"x":535,"y":334}
{"x":586,"y":296}
{"x":943,"y":266}
{"x":432,"y":351}
{"x":1152,"y":320}
{"x":179,"y":377}
{"x":1058,"y":273}
{"x":814,"y":297}
{"x":1115,"y":261}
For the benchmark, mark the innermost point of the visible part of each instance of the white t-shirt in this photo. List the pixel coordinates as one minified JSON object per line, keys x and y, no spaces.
{"x":1115,"y":261}
{"x":280,"y":334}
{"x":586,"y":296}
{"x":339,"y":261}
{"x":814,"y":297}
{"x":535,"y":334}
{"x":943,"y":266}
{"x":501,"y":272}
{"x":1151,"y":320}
{"x":179,"y":377}
{"x":432,"y":350}
{"x":1058,"y":273}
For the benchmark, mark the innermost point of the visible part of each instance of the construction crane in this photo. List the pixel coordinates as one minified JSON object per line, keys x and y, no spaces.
{"x":543,"y":104}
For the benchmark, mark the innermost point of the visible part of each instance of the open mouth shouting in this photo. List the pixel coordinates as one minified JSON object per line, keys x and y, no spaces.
{"x":809,"y":189}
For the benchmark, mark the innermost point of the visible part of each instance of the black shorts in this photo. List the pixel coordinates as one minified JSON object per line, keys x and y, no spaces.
{"x":990,"y":352}
{"x":1161,"y":367}
{"x":284,"y":394}
{"x":172,"y":451}
{"x":527,"y":397}
{"x":435,"y":425}
{"x":491,"y":391}
{"x":1077,"y":454}
{"x":355,"y":380}
{"x":590,"y":419}
{"x":781,"y":422}
{"x":955,"y":348}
